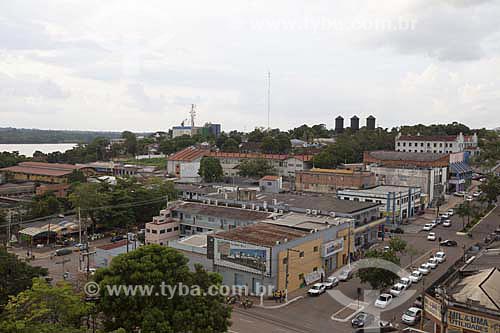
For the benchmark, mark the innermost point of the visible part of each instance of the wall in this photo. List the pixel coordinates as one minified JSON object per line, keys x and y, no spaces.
{"x":328,"y":182}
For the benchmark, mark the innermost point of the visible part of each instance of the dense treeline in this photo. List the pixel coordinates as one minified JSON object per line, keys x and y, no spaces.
{"x":23,"y":135}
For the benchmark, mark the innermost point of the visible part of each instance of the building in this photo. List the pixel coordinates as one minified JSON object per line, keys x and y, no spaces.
{"x":432,"y":181}
{"x":467,"y":298}
{"x":262,"y":253}
{"x":438,"y":144}
{"x":271,"y":184}
{"x":59,"y":190}
{"x":43,"y":172}
{"x":459,"y":173}
{"x":329,"y":180}
{"x":104,"y":254}
{"x":190,"y":155}
{"x":196,"y":218}
{"x":10,"y":189}
{"x":162,"y":229}
{"x":181,"y":130}
{"x":397,"y":203}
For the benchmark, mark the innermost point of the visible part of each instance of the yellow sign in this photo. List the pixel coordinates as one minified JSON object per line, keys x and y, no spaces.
{"x":472,"y":322}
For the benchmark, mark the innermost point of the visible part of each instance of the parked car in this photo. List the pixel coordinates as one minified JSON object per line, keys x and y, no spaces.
{"x":415,"y":276}
{"x":118,"y":238}
{"x":412,"y":316}
{"x":448,"y":242}
{"x":447,"y":223}
{"x":432,"y":262}
{"x":476,"y":194}
{"x":445,"y":216}
{"x":317,"y":289}
{"x":383,"y":301}
{"x":398,"y":230}
{"x":424,"y":269}
{"x":406,"y":281}
{"x":440,"y":256}
{"x":469,"y":198}
{"x":450,"y":212}
{"x":345,"y":274}
{"x":39,"y":246}
{"x":81,"y":247}
{"x":427,"y":227}
{"x":397,"y":289}
{"x":431,"y":236}
{"x":459,"y":194}
{"x":63,"y":252}
{"x":362,"y":319}
{"x":331,"y":282}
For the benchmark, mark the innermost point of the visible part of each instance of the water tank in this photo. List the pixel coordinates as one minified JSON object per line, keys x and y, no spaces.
{"x":339,"y":124}
{"x":370,"y":123}
{"x":354,"y":123}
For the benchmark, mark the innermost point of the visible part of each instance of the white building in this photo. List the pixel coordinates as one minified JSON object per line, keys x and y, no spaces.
{"x":443,"y":144}
{"x":181,"y":130}
{"x":162,"y":229}
{"x":397,"y":202}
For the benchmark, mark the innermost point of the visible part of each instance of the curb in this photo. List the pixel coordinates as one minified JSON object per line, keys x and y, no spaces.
{"x":280,"y":305}
{"x":461,"y":233}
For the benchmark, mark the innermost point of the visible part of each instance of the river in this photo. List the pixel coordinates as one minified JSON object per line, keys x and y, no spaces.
{"x":29,"y":149}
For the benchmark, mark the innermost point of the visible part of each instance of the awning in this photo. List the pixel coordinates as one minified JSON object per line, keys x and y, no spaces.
{"x":460,"y":167}
{"x":365,"y":227}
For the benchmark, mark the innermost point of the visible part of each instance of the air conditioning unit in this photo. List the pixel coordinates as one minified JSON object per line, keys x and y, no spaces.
{"x":275,"y":210}
{"x":314,"y":212}
{"x":257,"y":208}
{"x":332,"y":214}
{"x":243,"y":206}
{"x":308,"y":211}
{"x":280,"y":211}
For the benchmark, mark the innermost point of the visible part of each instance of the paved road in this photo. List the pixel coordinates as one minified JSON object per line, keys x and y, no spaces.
{"x":314,"y":314}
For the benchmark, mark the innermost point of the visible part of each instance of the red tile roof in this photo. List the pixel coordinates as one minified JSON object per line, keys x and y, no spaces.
{"x":263,"y":156}
{"x":188,"y":154}
{"x":427,"y":138}
{"x":270,"y":177}
{"x":42,"y":169}
{"x":113,"y":245}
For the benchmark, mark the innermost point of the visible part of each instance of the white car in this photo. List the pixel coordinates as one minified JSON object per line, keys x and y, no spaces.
{"x":412,"y":316}
{"x":427,"y":227}
{"x":440,"y":256}
{"x":469,"y":198}
{"x":447,"y":223}
{"x":406,"y":281}
{"x":424,"y":269}
{"x":431,"y":236}
{"x":450,"y":212}
{"x":415,"y":276}
{"x":445,"y":216}
{"x":397,"y":289}
{"x":383,"y":300}
{"x":476,"y":194}
{"x":317,"y":289}
{"x":331,"y":282}
{"x":433,"y":263}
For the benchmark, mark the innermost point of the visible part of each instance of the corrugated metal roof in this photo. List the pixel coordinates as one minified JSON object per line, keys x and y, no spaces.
{"x":262,"y":234}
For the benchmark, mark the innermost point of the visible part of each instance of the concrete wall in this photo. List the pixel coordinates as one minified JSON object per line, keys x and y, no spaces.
{"x":328,"y":182}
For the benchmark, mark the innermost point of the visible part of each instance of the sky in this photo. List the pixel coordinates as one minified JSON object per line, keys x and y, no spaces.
{"x":139,"y":65}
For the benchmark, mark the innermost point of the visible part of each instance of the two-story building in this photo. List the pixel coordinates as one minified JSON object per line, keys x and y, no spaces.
{"x":329,"y":180}
{"x":437,"y":143}
{"x":162,"y":229}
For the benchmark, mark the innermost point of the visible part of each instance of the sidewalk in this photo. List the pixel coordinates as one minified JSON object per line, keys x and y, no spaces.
{"x":269,"y":303}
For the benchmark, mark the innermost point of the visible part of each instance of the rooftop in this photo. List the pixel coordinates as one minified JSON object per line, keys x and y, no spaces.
{"x":188,"y":154}
{"x":304,"y":158}
{"x":386,"y":155}
{"x":198,"y":240}
{"x":382,"y":189}
{"x":482,"y":288}
{"x":43,"y":169}
{"x":263,"y":234}
{"x":307,"y":222}
{"x":194,"y":188}
{"x":427,"y":138}
{"x":223,"y":212}
{"x":270,"y":178}
{"x":112,"y":246}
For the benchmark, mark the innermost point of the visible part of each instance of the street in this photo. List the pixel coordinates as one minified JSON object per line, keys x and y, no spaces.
{"x":314,"y":314}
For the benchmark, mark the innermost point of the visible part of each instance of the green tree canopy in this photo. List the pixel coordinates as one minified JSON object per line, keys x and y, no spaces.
{"x":45,"y":309}
{"x":256,"y":168}
{"x":491,"y":188}
{"x":379,"y":278}
{"x":153,"y":265}
{"x":16,"y":275}
{"x":210,"y":169}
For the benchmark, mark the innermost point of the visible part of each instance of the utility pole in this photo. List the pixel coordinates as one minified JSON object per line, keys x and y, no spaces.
{"x":63,"y":263}
{"x":79,"y":226}
{"x":349,"y":246}
{"x":269,"y":101}
{"x":287,"y":270}
{"x":423,"y":303}
{"x":9,"y":231}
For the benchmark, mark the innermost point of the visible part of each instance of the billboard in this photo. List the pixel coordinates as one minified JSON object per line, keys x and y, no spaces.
{"x":333,"y":247}
{"x":246,"y":257}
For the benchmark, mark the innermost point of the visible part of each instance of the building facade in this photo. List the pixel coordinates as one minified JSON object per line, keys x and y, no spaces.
{"x":271,"y":184}
{"x":443,"y":144}
{"x":329,"y":180}
{"x":162,"y":229}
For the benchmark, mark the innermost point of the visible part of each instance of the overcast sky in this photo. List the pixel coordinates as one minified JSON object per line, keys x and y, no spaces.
{"x":138,"y":65}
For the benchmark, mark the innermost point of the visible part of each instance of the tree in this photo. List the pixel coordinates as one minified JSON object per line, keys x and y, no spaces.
{"x":44,"y":205}
{"x":153,"y":265}
{"x":398,"y":245}
{"x":210,"y":169}
{"x":491,"y":188}
{"x":464,"y":210}
{"x":256,"y":168}
{"x":45,"y":309}
{"x":16,"y":275}
{"x":130,"y":142}
{"x":379,"y":278}
{"x":230,"y":145}
{"x":77,"y":176}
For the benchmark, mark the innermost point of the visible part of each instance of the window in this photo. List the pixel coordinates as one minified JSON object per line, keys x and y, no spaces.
{"x":169,"y":230}
{"x":162,"y":231}
{"x":435,"y":145}
{"x":176,"y":228}
{"x":154,"y":231}
{"x":148,"y":230}
{"x":301,"y":276}
{"x":285,"y":261}
{"x":315,"y":269}
{"x":269,"y":184}
{"x":315,"y":249}
{"x":404,"y":144}
{"x":198,"y":229}
{"x":211,"y":219}
{"x":301,"y":254}
{"x":399,"y":143}
{"x":188,"y":216}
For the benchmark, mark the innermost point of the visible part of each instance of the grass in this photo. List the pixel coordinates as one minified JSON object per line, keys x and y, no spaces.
{"x":159,"y":162}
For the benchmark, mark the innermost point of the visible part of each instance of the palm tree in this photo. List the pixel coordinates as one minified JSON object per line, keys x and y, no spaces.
{"x":464,"y":210}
